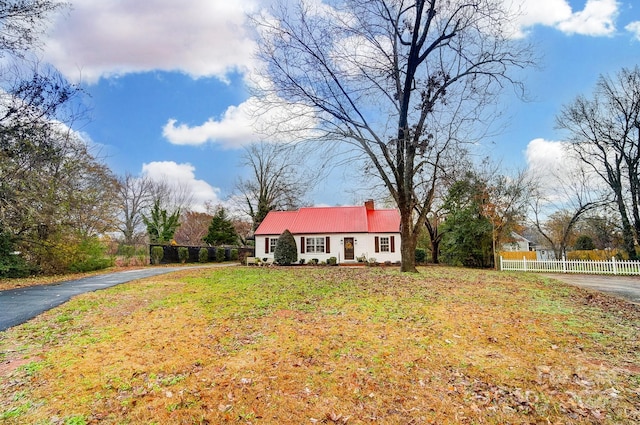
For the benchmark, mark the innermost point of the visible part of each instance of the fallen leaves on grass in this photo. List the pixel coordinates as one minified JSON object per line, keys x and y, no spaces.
{"x":331,"y":345}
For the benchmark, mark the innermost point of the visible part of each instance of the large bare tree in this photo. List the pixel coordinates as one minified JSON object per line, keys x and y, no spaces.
{"x":134,"y":197}
{"x":275,"y":181}
{"x":605,"y":133}
{"x":378,"y":73}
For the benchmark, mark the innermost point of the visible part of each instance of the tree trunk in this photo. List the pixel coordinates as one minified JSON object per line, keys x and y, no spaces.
{"x":408,"y":242}
{"x":435,"y":249}
{"x":627,"y":233}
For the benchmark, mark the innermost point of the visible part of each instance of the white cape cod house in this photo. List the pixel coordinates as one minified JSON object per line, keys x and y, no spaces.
{"x":346,"y":233}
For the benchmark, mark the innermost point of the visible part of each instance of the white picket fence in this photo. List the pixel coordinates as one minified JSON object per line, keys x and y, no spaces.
{"x":615,"y":267}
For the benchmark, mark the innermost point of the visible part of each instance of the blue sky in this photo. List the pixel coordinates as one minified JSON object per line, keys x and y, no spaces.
{"x":168,"y":96}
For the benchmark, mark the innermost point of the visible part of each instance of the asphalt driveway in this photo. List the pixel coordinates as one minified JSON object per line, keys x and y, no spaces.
{"x":21,"y":304}
{"x":626,"y":287}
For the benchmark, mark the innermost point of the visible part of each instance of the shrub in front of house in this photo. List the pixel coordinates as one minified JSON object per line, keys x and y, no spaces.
{"x":203,"y":255}
{"x":183,"y":254}
{"x":234,"y":255}
{"x":286,"y":252}
{"x":332,"y":261}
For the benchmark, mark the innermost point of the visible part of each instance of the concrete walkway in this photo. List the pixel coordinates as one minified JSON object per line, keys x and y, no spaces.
{"x":626,"y":287}
{"x":22,"y":304}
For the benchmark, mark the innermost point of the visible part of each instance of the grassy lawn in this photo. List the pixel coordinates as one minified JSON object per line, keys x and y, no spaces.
{"x":327,"y":345}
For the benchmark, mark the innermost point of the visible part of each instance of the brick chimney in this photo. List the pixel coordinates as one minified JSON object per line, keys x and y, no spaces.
{"x":369,"y":205}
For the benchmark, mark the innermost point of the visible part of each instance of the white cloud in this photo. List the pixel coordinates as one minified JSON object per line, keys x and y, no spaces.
{"x":545,"y":157}
{"x":251,"y":121}
{"x":113,"y":37}
{"x":544,"y":12}
{"x":183,"y":176}
{"x":634,"y":28}
{"x":596,"y":19}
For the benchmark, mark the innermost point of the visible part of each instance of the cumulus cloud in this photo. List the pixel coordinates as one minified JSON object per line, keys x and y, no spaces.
{"x":182,"y":176}
{"x":545,"y":157}
{"x":596,"y":19}
{"x":233,"y":129}
{"x":251,"y":121}
{"x":113,"y":37}
{"x":634,"y":28}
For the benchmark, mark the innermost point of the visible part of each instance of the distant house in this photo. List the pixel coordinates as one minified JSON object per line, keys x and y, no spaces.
{"x":518,"y":243}
{"x":346,"y":233}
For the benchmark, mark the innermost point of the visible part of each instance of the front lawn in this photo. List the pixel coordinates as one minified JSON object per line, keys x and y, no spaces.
{"x":327,"y":345}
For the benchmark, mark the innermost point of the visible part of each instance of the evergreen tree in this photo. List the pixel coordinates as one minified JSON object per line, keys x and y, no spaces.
{"x":286,"y":252}
{"x":221,"y":230}
{"x":161,"y":225}
{"x":467,"y":231}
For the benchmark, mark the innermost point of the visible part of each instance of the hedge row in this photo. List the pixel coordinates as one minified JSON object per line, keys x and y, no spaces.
{"x":171,"y":255}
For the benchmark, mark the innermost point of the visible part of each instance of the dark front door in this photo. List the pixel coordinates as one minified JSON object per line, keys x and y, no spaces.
{"x":348,"y":249}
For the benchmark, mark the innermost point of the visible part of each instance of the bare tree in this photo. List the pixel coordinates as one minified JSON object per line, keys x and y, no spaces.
{"x":605,"y":133}
{"x":276,"y":181}
{"x":559,"y":203}
{"x":134,"y":197}
{"x":193,"y":227}
{"x":375,"y":73}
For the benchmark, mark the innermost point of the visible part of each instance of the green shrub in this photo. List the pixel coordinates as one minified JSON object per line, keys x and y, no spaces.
{"x":203,"y":255}
{"x":421,"y":255}
{"x":12,"y":264}
{"x":183,"y":254}
{"x":127,"y":251}
{"x":301,"y":261}
{"x":314,"y":261}
{"x":584,"y":243}
{"x":157,"y":253}
{"x":234,"y":255}
{"x":332,"y":261}
{"x":286,"y":252}
{"x":220,"y":254}
{"x":90,"y":255}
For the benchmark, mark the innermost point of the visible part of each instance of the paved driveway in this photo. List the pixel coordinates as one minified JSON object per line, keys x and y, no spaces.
{"x":626,"y":287}
{"x":21,"y":304}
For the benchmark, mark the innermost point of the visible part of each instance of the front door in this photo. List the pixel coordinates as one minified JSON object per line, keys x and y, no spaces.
{"x":348,"y":249}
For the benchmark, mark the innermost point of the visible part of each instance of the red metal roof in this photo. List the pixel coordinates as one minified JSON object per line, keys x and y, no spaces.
{"x":330,"y":220}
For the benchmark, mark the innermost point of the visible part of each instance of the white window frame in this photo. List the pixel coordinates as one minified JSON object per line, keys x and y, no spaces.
{"x":272,"y":244}
{"x":385,"y":244}
{"x":315,"y":245}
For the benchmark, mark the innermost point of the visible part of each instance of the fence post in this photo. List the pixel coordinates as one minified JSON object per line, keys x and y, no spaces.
{"x":564,"y":264}
{"x":501,"y":268}
{"x":615,"y":266}
{"x":524,"y":261}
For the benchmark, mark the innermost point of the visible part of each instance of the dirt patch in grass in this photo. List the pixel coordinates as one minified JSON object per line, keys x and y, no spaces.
{"x":328,"y":345}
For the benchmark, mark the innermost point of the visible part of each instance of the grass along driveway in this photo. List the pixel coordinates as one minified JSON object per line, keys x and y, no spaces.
{"x":327,"y":345}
